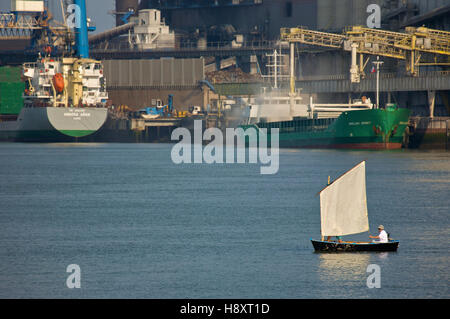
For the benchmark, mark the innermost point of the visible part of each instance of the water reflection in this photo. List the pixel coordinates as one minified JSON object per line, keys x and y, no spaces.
{"x":383,"y":255}
{"x":343,"y":266}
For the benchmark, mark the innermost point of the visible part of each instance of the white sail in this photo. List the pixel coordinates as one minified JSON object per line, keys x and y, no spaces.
{"x":343,"y":204}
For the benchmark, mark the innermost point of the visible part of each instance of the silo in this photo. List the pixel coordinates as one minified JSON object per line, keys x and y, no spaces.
{"x":325,"y":14}
{"x":123,"y":6}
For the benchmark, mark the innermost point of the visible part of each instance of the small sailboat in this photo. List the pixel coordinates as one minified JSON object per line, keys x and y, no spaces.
{"x":343,"y":211}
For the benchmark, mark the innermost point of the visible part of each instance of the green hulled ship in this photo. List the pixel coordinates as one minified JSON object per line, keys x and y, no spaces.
{"x":358,"y":124}
{"x":353,"y":129}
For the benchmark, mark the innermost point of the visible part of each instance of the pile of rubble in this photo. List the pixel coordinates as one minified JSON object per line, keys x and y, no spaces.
{"x":232,"y":75}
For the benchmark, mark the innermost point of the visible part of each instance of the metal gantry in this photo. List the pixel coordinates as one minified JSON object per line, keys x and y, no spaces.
{"x":39,"y":27}
{"x":303,"y":35}
{"x":18,"y":26}
{"x":417,"y":46}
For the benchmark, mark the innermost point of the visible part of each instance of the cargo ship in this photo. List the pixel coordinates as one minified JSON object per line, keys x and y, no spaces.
{"x":358,"y":125}
{"x":63,"y":100}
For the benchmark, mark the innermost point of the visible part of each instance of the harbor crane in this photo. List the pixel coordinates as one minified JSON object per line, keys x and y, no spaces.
{"x":417,"y":46}
{"x":39,"y":27}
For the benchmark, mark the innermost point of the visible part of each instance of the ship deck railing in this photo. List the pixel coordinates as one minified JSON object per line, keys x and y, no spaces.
{"x":300,"y":125}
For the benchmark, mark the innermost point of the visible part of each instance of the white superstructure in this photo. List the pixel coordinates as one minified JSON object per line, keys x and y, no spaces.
{"x":150,"y":31}
{"x":64,"y":82}
{"x":280,"y":105}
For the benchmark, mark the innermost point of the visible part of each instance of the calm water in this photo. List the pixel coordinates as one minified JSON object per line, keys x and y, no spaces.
{"x":142,"y":227}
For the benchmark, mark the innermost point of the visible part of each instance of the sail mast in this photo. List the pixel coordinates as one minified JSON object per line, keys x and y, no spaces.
{"x":329,"y":182}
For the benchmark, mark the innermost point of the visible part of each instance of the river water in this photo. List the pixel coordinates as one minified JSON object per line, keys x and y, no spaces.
{"x":140,"y":226}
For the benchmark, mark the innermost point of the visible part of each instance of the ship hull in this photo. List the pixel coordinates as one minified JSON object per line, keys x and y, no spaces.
{"x":378,"y":129}
{"x":53,"y":124}
{"x":326,"y":246}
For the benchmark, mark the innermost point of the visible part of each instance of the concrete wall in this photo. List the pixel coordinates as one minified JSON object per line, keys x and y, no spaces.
{"x":136,"y":83}
{"x":334,"y":15}
{"x":326,"y":63}
{"x":162,"y":72}
{"x":338,"y":63}
{"x":139,"y":98}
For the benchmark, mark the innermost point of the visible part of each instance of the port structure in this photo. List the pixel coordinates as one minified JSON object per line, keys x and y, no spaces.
{"x":37,"y":28}
{"x":418,"y":46}
{"x":13,"y":27}
{"x":43,"y":30}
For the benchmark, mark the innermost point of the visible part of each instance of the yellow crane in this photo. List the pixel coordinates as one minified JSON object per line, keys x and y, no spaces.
{"x":410,"y":46}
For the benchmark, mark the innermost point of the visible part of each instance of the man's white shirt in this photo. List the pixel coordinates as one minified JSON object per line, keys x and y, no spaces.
{"x":383,"y":237}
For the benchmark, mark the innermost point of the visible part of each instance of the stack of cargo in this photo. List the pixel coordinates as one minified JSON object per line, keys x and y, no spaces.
{"x":11,"y":90}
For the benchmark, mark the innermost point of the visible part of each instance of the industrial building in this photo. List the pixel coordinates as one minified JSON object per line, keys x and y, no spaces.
{"x":264,"y":18}
{"x":199,"y":37}
{"x":215,"y":28}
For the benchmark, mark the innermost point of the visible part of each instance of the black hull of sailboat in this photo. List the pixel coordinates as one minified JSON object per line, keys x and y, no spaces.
{"x":326,"y":246}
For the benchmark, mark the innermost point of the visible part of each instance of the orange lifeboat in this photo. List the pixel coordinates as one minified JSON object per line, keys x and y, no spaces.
{"x":58,"y":82}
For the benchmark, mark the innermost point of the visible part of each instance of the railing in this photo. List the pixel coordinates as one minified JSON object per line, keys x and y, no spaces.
{"x":324,"y":77}
{"x":371,"y":76}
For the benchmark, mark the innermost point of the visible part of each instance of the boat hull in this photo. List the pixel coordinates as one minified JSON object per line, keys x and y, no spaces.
{"x":376,"y":129}
{"x":327,"y":246}
{"x":53,"y":124}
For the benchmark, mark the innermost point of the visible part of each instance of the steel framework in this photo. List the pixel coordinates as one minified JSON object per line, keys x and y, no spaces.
{"x":417,"y":46}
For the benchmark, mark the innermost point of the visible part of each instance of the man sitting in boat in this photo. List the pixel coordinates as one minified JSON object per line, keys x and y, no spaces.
{"x":382,"y":235}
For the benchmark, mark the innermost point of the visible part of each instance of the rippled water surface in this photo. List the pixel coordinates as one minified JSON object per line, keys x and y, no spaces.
{"x":140,"y":226}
